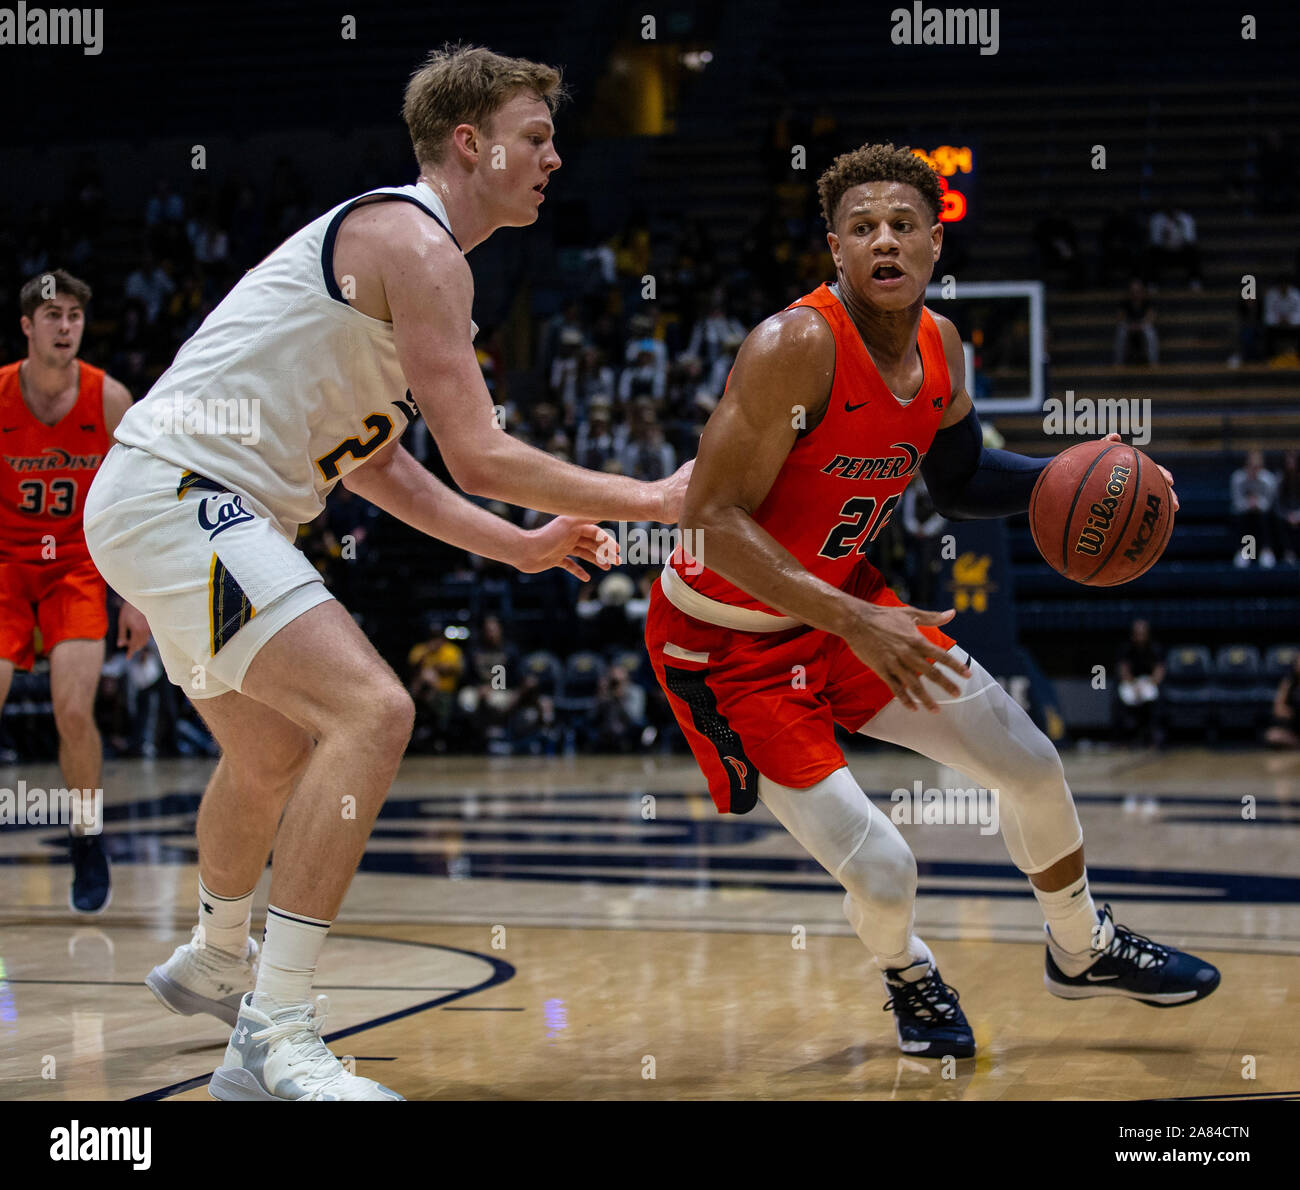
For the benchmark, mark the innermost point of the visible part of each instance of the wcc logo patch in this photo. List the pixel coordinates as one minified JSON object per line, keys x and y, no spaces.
{"x":221,"y":512}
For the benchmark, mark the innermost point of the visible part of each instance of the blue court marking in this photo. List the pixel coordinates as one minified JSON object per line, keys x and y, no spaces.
{"x":665,"y":851}
{"x":1217,"y":887}
{"x":501,"y":973}
{"x":520,"y":808}
{"x":1279,"y":1095}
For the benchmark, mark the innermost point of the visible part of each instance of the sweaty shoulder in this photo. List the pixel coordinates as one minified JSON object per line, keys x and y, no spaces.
{"x":790,"y":353}
{"x":382,"y":244}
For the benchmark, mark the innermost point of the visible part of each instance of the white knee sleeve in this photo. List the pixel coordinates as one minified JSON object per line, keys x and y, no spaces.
{"x":984,"y":733}
{"x":860,"y":847}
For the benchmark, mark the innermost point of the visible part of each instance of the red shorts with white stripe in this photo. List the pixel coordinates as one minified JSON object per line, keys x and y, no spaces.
{"x":765,"y":702}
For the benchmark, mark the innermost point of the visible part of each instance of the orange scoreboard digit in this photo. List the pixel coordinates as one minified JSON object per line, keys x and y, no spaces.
{"x":948,"y":161}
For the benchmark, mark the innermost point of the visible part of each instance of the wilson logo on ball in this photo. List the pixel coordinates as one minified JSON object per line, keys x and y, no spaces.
{"x":1100,"y":515}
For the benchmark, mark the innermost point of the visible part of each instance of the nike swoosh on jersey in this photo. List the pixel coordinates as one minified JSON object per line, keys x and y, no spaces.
{"x":850,"y":408}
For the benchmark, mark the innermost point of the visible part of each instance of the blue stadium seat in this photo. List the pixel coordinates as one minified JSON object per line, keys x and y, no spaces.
{"x":630,"y":659}
{"x":1188,"y":692}
{"x":582,"y":673}
{"x":1244,"y":697}
{"x":546,"y":668}
{"x":1279,"y":662}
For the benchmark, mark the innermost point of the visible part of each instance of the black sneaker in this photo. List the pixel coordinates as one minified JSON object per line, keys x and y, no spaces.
{"x":91,"y":884}
{"x":930,"y":1023}
{"x":1135,"y":967}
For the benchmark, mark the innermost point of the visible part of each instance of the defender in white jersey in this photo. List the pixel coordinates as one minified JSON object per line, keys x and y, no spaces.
{"x":305,"y":376}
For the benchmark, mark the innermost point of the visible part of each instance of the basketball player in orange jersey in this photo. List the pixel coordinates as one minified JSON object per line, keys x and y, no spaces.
{"x":781,"y":628}
{"x":57,"y":416}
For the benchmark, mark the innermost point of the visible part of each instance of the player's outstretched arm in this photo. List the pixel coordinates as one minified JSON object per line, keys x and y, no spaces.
{"x":392,"y":479}
{"x":966,"y":479}
{"x":430,"y":295}
{"x":786,"y":366}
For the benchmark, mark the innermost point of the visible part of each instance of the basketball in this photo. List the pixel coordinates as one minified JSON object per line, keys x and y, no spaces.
{"x":1101,"y":513}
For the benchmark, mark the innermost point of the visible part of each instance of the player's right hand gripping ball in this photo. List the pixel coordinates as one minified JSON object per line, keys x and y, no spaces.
{"x":1101,"y":513}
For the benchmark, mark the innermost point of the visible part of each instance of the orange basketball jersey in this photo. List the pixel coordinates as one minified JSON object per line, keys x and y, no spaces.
{"x":841,"y":481}
{"x":46,"y":471}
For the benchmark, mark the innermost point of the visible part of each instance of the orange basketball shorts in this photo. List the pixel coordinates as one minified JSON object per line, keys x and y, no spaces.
{"x":65,"y":600}
{"x":764,"y":702}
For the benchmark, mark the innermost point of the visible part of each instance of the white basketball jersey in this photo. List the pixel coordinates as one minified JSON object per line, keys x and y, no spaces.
{"x":284,"y":388}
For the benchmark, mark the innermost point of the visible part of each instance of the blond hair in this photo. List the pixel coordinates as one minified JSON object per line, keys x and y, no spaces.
{"x":467,"y":85}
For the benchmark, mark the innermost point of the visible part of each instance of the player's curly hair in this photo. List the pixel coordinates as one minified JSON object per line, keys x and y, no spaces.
{"x":466,"y":84}
{"x":51,"y":283}
{"x":877,"y":163}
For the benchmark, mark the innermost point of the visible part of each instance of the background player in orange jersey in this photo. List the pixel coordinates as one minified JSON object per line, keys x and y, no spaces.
{"x":778,"y":627}
{"x":57,"y":416}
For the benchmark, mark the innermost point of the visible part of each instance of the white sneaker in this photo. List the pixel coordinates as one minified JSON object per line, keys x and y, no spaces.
{"x":205,"y":979}
{"x":282,"y":1057}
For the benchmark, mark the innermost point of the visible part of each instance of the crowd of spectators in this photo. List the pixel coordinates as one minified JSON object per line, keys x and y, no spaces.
{"x":626,"y":367}
{"x":1266,"y":511}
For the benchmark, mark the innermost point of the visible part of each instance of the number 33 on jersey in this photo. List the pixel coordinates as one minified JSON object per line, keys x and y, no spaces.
{"x":45,"y":471}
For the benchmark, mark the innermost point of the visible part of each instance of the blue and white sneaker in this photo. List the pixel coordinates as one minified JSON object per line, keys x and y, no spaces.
{"x":1131,"y":966}
{"x":281,"y":1057}
{"x":929,"y":1021}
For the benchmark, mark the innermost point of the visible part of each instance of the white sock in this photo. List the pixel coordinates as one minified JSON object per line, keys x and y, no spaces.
{"x":916,"y":952}
{"x":290,"y":951}
{"x":88,"y":813}
{"x":1072,"y":919}
{"x":223,"y":921}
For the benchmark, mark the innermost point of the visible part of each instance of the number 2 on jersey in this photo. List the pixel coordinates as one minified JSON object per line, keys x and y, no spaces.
{"x":382,"y":425}
{"x":858,"y":527}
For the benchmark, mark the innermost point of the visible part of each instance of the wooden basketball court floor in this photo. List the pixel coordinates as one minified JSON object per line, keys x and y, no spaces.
{"x":589,"y":928}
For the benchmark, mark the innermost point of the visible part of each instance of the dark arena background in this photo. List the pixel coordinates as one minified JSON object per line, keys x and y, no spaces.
{"x":549,"y":906}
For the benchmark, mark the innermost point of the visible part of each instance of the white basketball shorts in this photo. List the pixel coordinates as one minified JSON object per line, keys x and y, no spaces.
{"x":213,"y":575}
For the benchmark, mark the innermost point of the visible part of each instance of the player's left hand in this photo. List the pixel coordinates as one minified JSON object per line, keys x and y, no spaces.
{"x":132,"y":630}
{"x":1169,"y":479}
{"x":672,"y":493}
{"x":564,"y":540}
